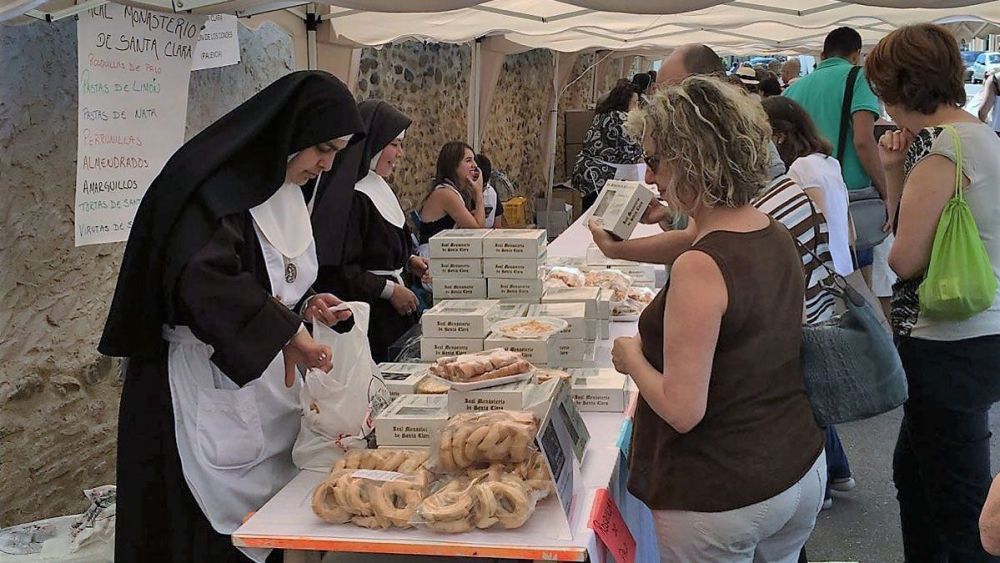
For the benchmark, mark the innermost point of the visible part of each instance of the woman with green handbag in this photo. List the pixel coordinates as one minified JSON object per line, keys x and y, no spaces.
{"x":946,"y":308}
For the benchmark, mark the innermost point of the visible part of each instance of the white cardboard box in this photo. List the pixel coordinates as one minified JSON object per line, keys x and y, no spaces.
{"x":521,"y":301}
{"x":620,"y":206}
{"x":411,"y":420}
{"x":433,"y":348}
{"x":642,"y":274}
{"x":470,"y":318}
{"x":586,"y":295}
{"x":457,"y":288}
{"x":402,"y":379}
{"x":583,"y":359}
{"x":592,"y":372}
{"x":514,"y":243}
{"x":565,"y":261}
{"x":458,"y":243}
{"x":507,"y":310}
{"x":500,"y":288}
{"x":514,"y":268}
{"x":539,"y":351}
{"x":457,"y":268}
{"x":595,"y":257}
{"x":575,"y":314}
{"x":601,"y":393}
{"x":604,"y":329}
{"x":520,"y":395}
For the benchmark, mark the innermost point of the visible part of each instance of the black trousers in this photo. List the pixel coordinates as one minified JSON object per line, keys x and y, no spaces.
{"x":941,"y":465}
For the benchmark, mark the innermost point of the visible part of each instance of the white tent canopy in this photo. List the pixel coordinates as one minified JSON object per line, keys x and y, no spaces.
{"x":655,"y":26}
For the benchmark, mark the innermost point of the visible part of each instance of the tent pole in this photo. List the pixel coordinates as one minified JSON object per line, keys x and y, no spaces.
{"x":593,"y":78}
{"x":473,"y":132}
{"x":312,"y":24}
{"x":553,"y":121}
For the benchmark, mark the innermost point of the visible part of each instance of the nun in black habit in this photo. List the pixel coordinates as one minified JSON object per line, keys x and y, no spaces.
{"x":219,"y":259}
{"x":374,"y":257}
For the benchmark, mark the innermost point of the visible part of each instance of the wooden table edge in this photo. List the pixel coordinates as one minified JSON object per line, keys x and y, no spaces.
{"x":414,"y":548}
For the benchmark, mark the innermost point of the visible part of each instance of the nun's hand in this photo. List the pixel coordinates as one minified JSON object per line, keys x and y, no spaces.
{"x":403,"y":300}
{"x":327,"y":309}
{"x":418,"y":266}
{"x":303,"y":351}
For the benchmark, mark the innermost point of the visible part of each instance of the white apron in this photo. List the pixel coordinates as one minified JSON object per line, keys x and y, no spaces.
{"x":235,"y":444}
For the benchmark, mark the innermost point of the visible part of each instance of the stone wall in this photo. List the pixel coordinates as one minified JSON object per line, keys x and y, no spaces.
{"x":514,"y":134}
{"x":58,"y":397}
{"x":430,"y":83}
{"x":576,"y":95}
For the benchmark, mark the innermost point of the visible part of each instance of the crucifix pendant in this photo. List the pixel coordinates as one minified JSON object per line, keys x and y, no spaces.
{"x":291,"y":272}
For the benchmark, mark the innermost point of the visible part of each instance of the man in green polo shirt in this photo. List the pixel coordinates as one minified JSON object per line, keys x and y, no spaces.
{"x":821,"y":93}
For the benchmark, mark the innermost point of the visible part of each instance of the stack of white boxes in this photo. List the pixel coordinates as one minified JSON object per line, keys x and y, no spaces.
{"x":503,"y":264}
{"x":575,"y":346}
{"x":456,"y":327}
{"x":597,"y":304}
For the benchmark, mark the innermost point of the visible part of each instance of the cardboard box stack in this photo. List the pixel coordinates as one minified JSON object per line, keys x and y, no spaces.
{"x":575,"y":345}
{"x":455,"y":327}
{"x":599,"y":390}
{"x":411,"y":420}
{"x":504,"y":264}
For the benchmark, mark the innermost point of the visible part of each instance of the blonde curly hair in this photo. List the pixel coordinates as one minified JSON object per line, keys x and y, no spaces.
{"x":713,"y":136}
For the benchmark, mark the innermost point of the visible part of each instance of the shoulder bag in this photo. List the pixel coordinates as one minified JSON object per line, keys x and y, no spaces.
{"x":866,"y":208}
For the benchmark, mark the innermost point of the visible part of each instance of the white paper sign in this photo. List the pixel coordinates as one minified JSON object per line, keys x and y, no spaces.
{"x":218,"y":45}
{"x":134,"y":67}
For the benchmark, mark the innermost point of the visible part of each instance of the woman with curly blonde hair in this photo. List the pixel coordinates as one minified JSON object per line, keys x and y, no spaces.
{"x":725,"y":451}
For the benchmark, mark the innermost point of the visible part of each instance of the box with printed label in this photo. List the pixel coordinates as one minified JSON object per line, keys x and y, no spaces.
{"x":458,"y":288}
{"x":565,"y":262}
{"x":402,"y":379}
{"x":601,"y":393}
{"x":458,"y":243}
{"x":433,"y":348}
{"x":641,"y":274}
{"x":456,"y":268}
{"x":575,"y":314}
{"x":470,"y":318}
{"x":500,"y":288}
{"x":576,"y":354}
{"x":506,"y":310}
{"x":620,"y":206}
{"x":586,"y":295}
{"x":539,"y":351}
{"x":514,"y":243}
{"x":517,"y":396}
{"x":514,"y":268}
{"x":411,"y":420}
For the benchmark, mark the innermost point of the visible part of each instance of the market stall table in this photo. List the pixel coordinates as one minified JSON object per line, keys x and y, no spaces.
{"x":287,"y":521}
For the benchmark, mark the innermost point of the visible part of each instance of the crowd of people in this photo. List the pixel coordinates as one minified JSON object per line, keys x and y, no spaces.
{"x":267,"y":220}
{"x":702,"y":398}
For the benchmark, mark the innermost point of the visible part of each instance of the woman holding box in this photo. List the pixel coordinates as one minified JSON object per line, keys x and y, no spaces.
{"x":716,"y":360}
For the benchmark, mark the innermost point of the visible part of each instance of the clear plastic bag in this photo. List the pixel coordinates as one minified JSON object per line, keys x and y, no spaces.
{"x":493,"y":497}
{"x":617,"y":281}
{"x":402,"y":461}
{"x":564,"y":276}
{"x":481,"y":438}
{"x":370,"y":498}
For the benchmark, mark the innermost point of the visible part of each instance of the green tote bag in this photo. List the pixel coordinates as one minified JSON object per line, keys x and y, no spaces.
{"x":960,"y":281}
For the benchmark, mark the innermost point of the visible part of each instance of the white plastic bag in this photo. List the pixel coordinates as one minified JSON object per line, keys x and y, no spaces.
{"x":338,"y":408}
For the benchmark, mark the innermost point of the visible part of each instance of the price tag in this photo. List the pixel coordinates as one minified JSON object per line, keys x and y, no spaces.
{"x":608,"y":524}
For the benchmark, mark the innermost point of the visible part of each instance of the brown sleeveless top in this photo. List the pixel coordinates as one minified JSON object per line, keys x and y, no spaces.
{"x":758,"y":436}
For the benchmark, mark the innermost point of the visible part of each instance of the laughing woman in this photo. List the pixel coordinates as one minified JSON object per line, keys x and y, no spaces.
{"x":220,"y":257}
{"x":377,"y":247}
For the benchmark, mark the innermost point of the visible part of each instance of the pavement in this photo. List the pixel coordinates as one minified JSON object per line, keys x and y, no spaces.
{"x":863,"y":525}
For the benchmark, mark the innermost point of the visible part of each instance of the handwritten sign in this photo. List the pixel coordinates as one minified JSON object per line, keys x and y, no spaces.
{"x":610,"y":527}
{"x":218,"y":44}
{"x":134,"y":67}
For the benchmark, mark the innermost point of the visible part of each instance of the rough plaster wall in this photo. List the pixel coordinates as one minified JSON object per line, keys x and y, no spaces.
{"x":58,"y":397}
{"x":576,"y":96}
{"x":428,"y":82}
{"x":515,"y":132}
{"x":610,"y":77}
